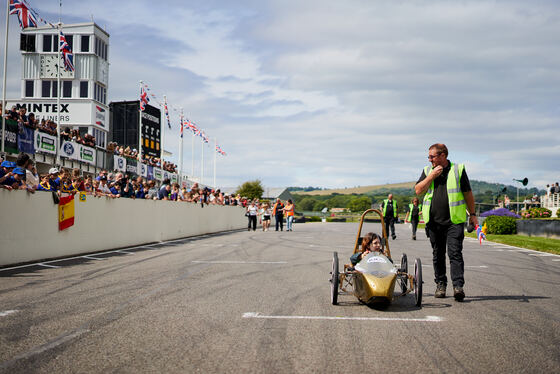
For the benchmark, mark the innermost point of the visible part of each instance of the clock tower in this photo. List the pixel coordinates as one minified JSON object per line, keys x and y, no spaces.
{"x":83,"y":92}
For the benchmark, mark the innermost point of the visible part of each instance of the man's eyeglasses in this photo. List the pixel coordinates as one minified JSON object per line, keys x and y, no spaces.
{"x":432,"y":157}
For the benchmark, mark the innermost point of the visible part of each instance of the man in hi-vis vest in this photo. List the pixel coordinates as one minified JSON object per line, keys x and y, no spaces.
{"x":390,"y":215}
{"x":446,"y":202}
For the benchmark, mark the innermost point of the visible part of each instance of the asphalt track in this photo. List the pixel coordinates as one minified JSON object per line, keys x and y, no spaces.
{"x":254,"y":302}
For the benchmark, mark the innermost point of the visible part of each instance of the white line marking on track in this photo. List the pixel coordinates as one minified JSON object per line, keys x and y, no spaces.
{"x":48,"y":266}
{"x":556,"y":260}
{"x":541,"y":254}
{"x":425,"y":319}
{"x":240,"y":262}
{"x":7,"y":313}
{"x":93,"y":258}
{"x":125,"y":252}
{"x":45,"y":347}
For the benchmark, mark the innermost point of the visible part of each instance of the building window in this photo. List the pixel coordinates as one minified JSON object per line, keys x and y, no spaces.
{"x":70,"y":41}
{"x":85,"y":43}
{"x":47,"y":43}
{"x":46,"y":89}
{"x":54,"y":89}
{"x":29,"y":88}
{"x":67,"y":89}
{"x":84,"y":89}
{"x":101,"y":48}
{"x":27,"y":42}
{"x":100,"y":93}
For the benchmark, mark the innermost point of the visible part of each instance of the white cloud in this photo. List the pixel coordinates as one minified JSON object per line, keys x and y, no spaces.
{"x":348,"y":93}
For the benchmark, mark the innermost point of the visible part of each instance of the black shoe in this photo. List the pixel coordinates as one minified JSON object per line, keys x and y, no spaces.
{"x":440,"y":290}
{"x":458,"y":293}
{"x":413,"y":237}
{"x":394,"y":236}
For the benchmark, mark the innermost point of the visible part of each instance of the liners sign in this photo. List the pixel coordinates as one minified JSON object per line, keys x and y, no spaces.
{"x":75,"y":113}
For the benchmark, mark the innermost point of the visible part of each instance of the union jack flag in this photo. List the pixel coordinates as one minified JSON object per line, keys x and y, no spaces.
{"x":182,"y":125}
{"x":25,"y":16}
{"x":220,"y":150}
{"x":167,"y":115}
{"x":144,"y":99}
{"x":67,"y":55}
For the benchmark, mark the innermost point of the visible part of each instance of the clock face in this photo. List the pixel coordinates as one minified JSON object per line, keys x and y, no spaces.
{"x":49,"y":67}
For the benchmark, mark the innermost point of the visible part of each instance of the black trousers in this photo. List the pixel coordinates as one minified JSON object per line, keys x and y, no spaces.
{"x":252,"y":222}
{"x":279,"y":221}
{"x":414,"y":223}
{"x":448,"y":237}
{"x":389,"y":224}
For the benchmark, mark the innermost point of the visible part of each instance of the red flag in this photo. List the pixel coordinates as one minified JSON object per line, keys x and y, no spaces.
{"x":66,"y":212}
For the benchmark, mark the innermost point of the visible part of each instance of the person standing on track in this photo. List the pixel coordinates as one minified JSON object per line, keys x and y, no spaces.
{"x":252,"y":211}
{"x":278,"y":212}
{"x":448,"y":197}
{"x":413,"y":215}
{"x":390,"y":214}
{"x":289,"y":209}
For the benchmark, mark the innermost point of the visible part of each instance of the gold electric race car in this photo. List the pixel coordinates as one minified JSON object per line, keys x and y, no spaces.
{"x":373,"y":279}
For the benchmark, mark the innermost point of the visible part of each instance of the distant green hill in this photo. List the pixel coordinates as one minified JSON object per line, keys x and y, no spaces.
{"x":407,"y":188}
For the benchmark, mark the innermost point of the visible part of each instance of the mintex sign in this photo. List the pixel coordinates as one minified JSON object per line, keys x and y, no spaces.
{"x":85,"y":113}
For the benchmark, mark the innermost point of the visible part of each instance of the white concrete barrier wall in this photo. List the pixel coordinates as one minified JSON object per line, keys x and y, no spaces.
{"x":29,"y":224}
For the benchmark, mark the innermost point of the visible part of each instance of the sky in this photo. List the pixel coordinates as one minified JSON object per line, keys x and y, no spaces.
{"x":336,"y":93}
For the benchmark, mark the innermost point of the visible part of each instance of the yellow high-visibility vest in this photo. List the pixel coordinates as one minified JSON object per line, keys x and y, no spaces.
{"x":457,"y":203}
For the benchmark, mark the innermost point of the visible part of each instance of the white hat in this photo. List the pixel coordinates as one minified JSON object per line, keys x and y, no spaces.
{"x":53,"y":171}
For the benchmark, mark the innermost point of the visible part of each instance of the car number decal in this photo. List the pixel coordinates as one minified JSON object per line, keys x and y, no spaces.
{"x":376,"y":259}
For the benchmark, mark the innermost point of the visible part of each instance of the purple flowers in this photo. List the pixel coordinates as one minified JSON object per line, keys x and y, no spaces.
{"x":502,"y":212}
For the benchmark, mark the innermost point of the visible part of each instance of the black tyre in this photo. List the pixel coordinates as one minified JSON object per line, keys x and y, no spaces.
{"x":404,"y":269}
{"x":418,"y":281}
{"x":334,"y":279}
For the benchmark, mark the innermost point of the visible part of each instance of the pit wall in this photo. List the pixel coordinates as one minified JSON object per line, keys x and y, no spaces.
{"x":29,"y":224}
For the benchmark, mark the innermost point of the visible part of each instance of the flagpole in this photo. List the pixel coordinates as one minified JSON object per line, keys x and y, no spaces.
{"x":181,"y":150}
{"x":5,"y":74}
{"x":163,"y":129}
{"x":140,"y":125}
{"x":202,"y":164}
{"x":57,"y":155}
{"x":192,"y":155}
{"x":215,"y":154}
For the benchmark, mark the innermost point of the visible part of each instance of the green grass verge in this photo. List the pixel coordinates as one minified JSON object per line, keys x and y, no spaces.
{"x":522,"y":241}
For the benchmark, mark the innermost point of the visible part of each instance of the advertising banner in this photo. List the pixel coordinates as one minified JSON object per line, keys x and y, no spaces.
{"x":120,"y":163}
{"x":174,"y":177}
{"x":69,"y":150}
{"x":185,"y":181}
{"x":158,"y":174}
{"x":74,"y":113}
{"x":10,"y":141}
{"x":151,"y":131}
{"x":26,"y":140}
{"x":143,"y":170}
{"x":87,"y":154}
{"x":150,"y":172}
{"x":45,"y":143}
{"x":131,"y":166}
{"x":166,"y":174}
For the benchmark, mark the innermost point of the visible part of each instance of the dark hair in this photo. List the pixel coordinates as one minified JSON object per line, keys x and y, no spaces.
{"x":22,"y":159}
{"x":367,"y":239}
{"x":441,"y":148}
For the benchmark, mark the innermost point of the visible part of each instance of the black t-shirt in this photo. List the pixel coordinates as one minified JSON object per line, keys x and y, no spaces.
{"x":415,"y":213}
{"x":439,"y":208}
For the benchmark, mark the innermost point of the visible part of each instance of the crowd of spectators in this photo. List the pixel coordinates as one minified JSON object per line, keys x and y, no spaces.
{"x":69,"y":134}
{"x":29,"y":120}
{"x":22,"y":174}
{"x":129,"y":152}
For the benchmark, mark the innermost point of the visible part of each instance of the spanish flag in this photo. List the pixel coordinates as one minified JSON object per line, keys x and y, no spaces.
{"x":66,"y":212}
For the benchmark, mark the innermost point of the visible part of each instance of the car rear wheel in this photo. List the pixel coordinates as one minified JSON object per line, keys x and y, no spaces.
{"x":404,"y":269}
{"x":418,"y":281}
{"x":334,"y":279}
